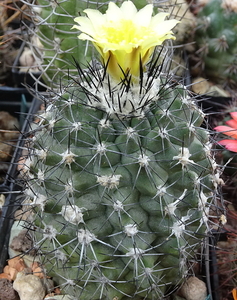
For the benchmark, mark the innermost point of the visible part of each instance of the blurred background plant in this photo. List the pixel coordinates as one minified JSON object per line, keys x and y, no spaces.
{"x":226,"y":251}
{"x":226,"y":141}
{"x":215,"y":36}
{"x":12,"y":22}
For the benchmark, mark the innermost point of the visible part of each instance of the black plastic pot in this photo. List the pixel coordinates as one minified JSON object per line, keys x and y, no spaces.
{"x":210,"y":266}
{"x":10,"y":188}
{"x":6,"y":221}
{"x":15,"y":101}
{"x":24,"y":133}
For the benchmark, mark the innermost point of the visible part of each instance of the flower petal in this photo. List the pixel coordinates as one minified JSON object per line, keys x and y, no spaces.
{"x":229,"y":144}
{"x":165,"y":27}
{"x":232,"y":123}
{"x":143,"y":16}
{"x":151,"y":42}
{"x":113,"y":13}
{"x":128,"y":10}
{"x":159,"y":18}
{"x":84,"y":37}
{"x":234,"y":115}
{"x":85,"y":25}
{"x":96,"y":17}
{"x":227,"y":131}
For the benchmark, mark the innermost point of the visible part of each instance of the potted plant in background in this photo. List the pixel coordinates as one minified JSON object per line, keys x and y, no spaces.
{"x":213,"y":55}
{"x":15,"y":98}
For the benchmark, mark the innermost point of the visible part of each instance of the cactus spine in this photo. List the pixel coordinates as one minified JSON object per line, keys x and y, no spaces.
{"x":120,"y":179}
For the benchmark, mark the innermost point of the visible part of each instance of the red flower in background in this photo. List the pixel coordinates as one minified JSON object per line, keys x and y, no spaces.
{"x":230,"y":130}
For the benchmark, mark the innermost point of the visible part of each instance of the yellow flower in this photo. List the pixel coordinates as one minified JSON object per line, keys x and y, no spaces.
{"x":124,"y":37}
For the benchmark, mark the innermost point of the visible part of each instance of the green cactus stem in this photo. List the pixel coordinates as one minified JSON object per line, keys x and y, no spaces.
{"x":121,"y":193}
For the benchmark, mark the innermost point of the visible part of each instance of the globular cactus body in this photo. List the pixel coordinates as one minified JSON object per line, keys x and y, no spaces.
{"x":120,"y":176}
{"x":216,"y":39}
{"x":121,"y":200}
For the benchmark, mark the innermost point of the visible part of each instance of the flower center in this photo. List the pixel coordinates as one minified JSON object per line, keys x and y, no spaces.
{"x":124,"y":32}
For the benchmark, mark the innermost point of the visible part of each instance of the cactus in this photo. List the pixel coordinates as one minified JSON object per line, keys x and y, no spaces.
{"x":216,"y":39}
{"x":120,"y":177}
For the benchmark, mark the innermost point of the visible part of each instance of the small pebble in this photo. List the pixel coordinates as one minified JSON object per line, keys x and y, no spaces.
{"x":2,"y":201}
{"x":200,"y":85}
{"x":29,"y":287}
{"x":194,"y":289}
{"x":20,"y":240}
{"x":58,"y":297}
{"x":6,"y":290}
